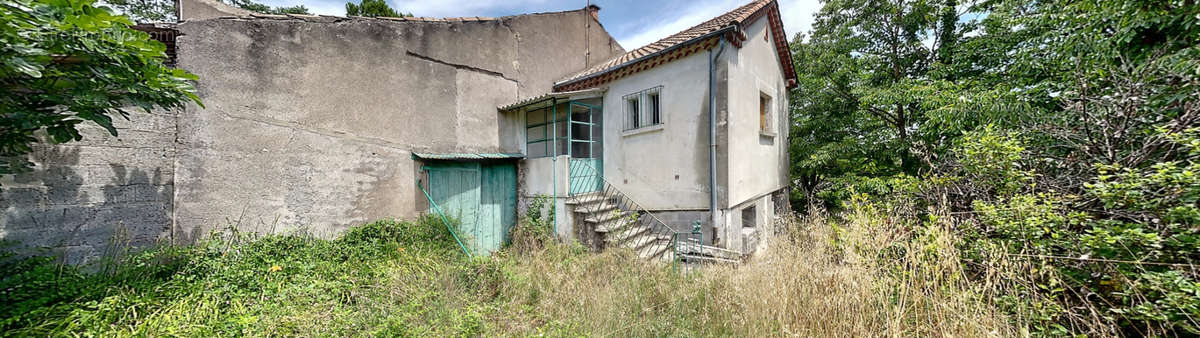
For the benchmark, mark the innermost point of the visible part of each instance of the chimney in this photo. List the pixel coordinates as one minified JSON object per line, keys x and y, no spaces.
{"x":594,"y":10}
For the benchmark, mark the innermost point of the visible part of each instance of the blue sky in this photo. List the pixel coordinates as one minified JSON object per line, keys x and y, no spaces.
{"x":633,"y":23}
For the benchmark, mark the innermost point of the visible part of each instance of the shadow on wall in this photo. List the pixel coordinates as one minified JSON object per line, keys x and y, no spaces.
{"x":80,"y":212}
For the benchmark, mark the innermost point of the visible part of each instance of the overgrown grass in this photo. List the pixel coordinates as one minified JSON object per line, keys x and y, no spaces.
{"x":861,"y":276}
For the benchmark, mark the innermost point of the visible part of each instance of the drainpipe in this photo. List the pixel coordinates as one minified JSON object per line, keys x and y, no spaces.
{"x":554,"y":163}
{"x":712,"y":131}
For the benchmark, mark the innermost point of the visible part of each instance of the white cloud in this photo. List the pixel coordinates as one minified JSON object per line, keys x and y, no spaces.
{"x":797,"y":16}
{"x":692,"y":16}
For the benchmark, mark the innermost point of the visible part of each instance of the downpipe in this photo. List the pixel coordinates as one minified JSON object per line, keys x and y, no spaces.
{"x":712,"y":131}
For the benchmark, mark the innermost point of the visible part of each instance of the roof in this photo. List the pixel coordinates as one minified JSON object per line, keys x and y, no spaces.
{"x":467,"y":156}
{"x":703,"y":32}
{"x":555,"y":95}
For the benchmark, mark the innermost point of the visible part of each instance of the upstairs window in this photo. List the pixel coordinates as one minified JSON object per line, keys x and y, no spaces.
{"x":633,"y":112}
{"x":643,"y":109}
{"x":764,"y":113}
{"x":655,"y":112}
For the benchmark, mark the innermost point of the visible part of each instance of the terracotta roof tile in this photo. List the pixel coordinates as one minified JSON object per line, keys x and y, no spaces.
{"x":738,"y":15}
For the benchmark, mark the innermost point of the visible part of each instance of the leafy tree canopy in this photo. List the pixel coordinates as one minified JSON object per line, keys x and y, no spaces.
{"x":373,"y":8}
{"x":65,"y":62}
{"x":146,"y":10}
{"x":254,"y":6}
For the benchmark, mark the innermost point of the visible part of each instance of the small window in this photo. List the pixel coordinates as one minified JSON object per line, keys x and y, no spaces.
{"x":643,"y":109}
{"x":655,"y":116}
{"x":764,"y":113}
{"x":749,"y":217}
{"x":633,"y":114}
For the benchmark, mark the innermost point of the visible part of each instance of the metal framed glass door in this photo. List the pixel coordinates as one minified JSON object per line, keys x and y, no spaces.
{"x":584,"y":135}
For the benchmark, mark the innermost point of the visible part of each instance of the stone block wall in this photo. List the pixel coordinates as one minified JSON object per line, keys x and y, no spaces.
{"x":95,"y":197}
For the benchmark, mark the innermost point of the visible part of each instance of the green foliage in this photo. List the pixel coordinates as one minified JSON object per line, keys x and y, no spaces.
{"x":373,"y":8}
{"x":536,"y":228}
{"x":254,"y":6}
{"x":236,"y":283}
{"x":1062,"y":133}
{"x":1133,"y":253}
{"x":146,"y":10}
{"x":872,"y":100}
{"x":65,"y":62}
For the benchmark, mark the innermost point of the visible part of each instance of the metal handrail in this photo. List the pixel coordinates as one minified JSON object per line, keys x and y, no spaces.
{"x":635,"y":203}
{"x":444,"y":219}
{"x":655,"y":226}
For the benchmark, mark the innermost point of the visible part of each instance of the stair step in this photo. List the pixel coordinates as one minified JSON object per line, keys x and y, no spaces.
{"x":594,"y":208}
{"x":707,"y":259}
{"x":622,"y":236}
{"x":647,"y":238}
{"x":613,"y":225}
{"x":606,"y":216}
{"x":590,"y":197}
{"x":653,"y":251}
{"x":667,"y":256}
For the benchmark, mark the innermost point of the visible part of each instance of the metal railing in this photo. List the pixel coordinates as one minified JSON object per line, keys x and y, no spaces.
{"x":624,"y":222}
{"x":445,"y":220}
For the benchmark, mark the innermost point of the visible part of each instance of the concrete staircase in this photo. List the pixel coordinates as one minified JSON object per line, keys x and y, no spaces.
{"x":614,"y":222}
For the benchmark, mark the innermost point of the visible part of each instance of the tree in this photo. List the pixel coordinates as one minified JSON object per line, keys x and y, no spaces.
{"x":373,"y":8}
{"x":64,"y":62}
{"x":146,"y":10}
{"x":871,"y":100}
{"x":254,"y":6}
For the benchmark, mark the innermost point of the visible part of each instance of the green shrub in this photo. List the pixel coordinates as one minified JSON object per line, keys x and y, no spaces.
{"x":1132,"y":255}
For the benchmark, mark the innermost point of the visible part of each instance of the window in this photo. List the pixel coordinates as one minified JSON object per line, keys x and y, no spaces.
{"x":633,"y":112}
{"x":749,"y":217}
{"x":764,"y":113}
{"x":540,"y":128}
{"x":655,"y":116}
{"x":643,"y":109}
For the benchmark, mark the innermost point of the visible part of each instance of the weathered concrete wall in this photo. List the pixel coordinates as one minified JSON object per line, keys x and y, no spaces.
{"x":662,"y":167}
{"x":758,"y":162}
{"x":207,"y":9}
{"x":100,"y":195}
{"x":311,"y":122}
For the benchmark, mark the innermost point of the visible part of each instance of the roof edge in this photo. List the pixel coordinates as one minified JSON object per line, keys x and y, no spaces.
{"x":726,"y":29}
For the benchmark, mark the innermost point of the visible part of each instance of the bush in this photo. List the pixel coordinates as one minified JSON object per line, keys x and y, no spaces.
{"x":1124,"y":252}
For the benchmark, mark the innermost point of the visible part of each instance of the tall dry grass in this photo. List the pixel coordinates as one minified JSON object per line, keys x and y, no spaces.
{"x":866,"y":275}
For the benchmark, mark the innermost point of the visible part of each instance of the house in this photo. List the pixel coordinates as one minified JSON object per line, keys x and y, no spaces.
{"x":689,"y":130}
{"x":314,"y":124}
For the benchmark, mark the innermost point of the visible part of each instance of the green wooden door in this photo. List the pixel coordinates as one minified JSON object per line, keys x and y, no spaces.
{"x":483,"y":198}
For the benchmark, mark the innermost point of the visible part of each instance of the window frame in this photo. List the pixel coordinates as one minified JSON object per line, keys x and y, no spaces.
{"x":752,"y":211}
{"x":766,"y":114}
{"x":643,"y":109}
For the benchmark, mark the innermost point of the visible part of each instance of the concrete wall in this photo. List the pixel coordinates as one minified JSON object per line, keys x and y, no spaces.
{"x":757,"y":162}
{"x":742,"y":237}
{"x":97,"y":196}
{"x":537,"y":178}
{"x":310,"y":123}
{"x":662,"y":167}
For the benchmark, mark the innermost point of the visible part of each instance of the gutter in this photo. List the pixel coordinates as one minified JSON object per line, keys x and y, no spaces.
{"x":712,"y":131}
{"x":731,"y":27}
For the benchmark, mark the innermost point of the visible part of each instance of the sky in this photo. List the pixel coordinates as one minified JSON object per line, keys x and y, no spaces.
{"x":634,"y":23}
